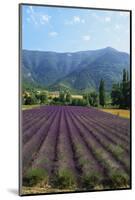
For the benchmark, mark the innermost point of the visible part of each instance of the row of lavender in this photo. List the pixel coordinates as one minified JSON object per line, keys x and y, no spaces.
{"x":78,"y":148}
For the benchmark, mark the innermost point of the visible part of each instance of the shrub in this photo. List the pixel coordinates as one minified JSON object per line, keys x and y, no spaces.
{"x":55,"y":99}
{"x":118,"y":152}
{"x":79,"y":102}
{"x":43,"y":97}
{"x":91,"y":180}
{"x":30,"y":100}
{"x":103,"y":162}
{"x":119,"y":179}
{"x":82,"y":161}
{"x":63,"y":180}
{"x":34,"y":176}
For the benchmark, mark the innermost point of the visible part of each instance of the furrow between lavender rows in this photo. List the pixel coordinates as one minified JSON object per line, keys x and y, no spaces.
{"x":111,"y":120}
{"x":107,"y":132}
{"x":29,"y":114}
{"x":32,"y":147}
{"x":33,"y":130}
{"x":35,"y":113}
{"x":118,"y":133}
{"x":85,"y":155}
{"x":103,"y":159}
{"x":64,"y":162}
{"x":45,"y":155}
{"x":35,"y":120}
{"x":95,"y":136}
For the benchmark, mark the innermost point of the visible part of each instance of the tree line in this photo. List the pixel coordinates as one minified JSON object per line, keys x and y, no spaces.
{"x":120,"y":96}
{"x":64,"y":98}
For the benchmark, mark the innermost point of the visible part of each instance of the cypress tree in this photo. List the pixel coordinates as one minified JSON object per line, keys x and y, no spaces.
{"x":102,"y":93}
{"x":124,"y":75}
{"x":68,"y":97}
{"x":127,"y":76}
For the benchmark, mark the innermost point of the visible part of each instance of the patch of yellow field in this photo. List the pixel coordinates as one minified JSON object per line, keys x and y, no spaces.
{"x":118,"y":112}
{"x":77,"y":96}
{"x":26,"y":107}
{"x":53,"y":95}
{"x":73,"y":96}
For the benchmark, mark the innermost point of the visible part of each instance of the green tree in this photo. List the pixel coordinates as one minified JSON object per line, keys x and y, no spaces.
{"x":91,"y":98}
{"x":55,"y":99}
{"x":62,"y":96}
{"x":126,"y":89}
{"x":127,"y":95}
{"x":94,"y":99}
{"x":127,"y":77}
{"x":86,"y":98}
{"x":82,"y":102}
{"x":120,"y":93}
{"x":68,"y":97}
{"x":79,"y":102}
{"x":124,"y":75}
{"x":43,"y":97}
{"x":74,"y":102}
{"x":116,"y":94}
{"x":30,"y":100}
{"x":102,"y":93}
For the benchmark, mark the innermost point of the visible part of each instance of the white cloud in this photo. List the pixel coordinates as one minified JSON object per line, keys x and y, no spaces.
{"x":32,"y":15}
{"x":86,"y":37}
{"x":31,"y":8}
{"x":107,"y":19}
{"x":44,"y":19}
{"x":53,"y":34}
{"x":37,"y":18}
{"x":102,"y":18}
{"x":75,"y":20}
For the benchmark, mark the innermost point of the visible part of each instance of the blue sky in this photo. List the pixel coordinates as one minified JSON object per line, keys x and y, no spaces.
{"x":71,"y":30}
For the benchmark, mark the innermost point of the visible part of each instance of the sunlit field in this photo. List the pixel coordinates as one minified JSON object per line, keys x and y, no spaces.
{"x":26,"y":107}
{"x":118,"y":112}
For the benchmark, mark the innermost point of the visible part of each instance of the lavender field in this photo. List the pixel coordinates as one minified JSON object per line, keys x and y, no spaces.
{"x":75,"y":148}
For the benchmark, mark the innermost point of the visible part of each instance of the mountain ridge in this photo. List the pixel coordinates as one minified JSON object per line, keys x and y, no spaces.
{"x":79,"y":70}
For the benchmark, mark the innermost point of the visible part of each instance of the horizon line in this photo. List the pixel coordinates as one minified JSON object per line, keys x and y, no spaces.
{"x":53,"y":51}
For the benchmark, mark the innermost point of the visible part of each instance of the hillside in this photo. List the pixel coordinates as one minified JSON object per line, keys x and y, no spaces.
{"x":76,"y":71}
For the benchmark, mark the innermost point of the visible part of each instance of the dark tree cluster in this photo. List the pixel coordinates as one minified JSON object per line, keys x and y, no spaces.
{"x":34,"y":98}
{"x":91,"y":98}
{"x":65,"y":98}
{"x":120,"y":93}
